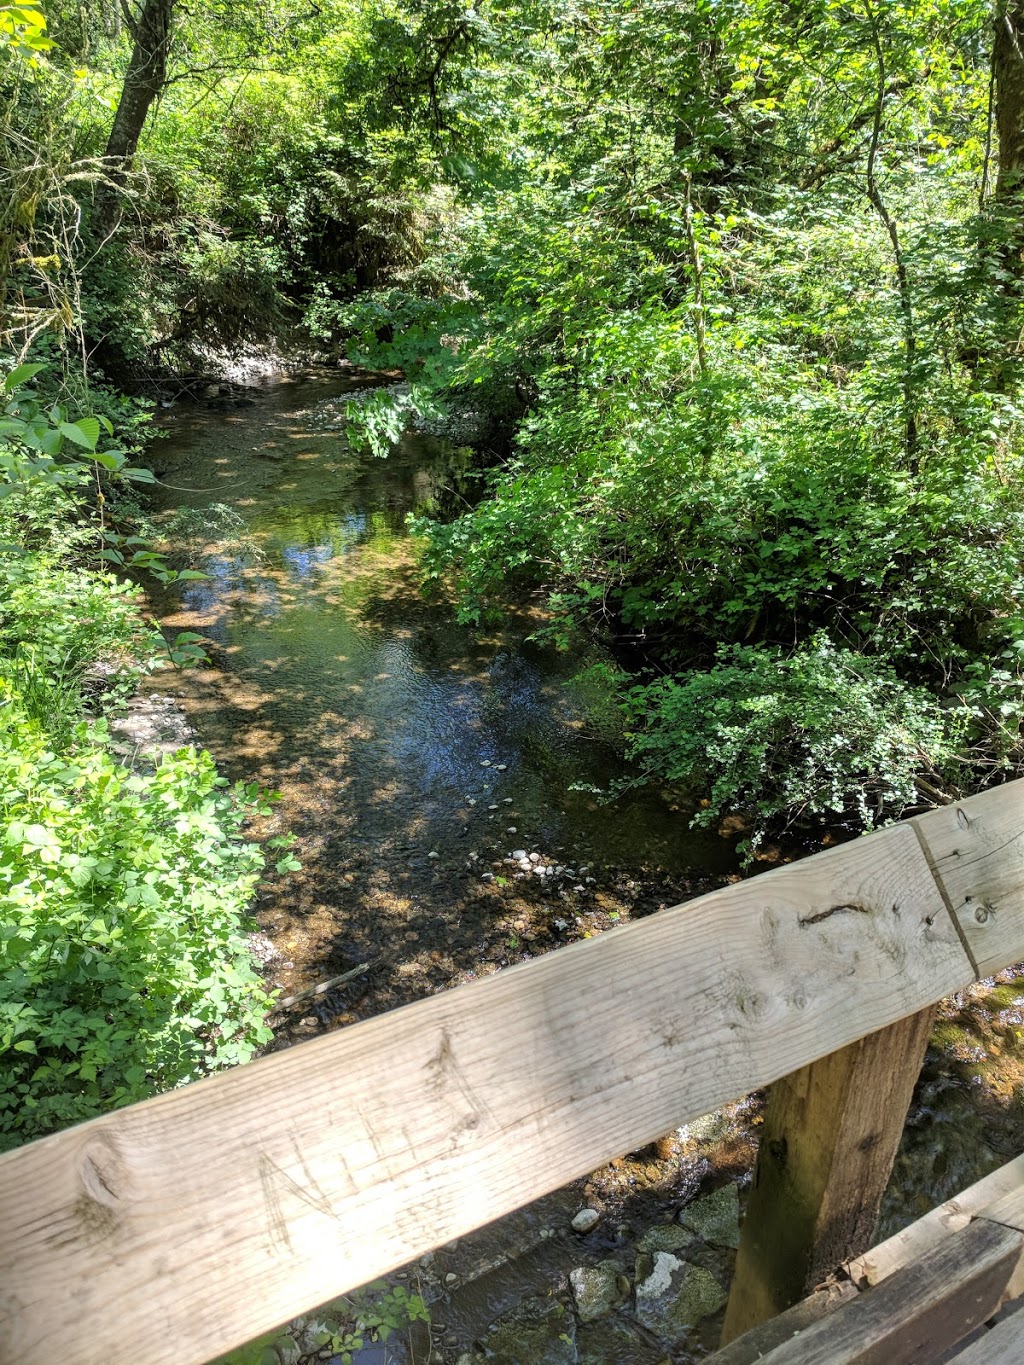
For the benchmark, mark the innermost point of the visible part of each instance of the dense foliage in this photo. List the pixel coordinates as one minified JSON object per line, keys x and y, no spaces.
{"x":736,"y":285}
{"x":124,"y":967}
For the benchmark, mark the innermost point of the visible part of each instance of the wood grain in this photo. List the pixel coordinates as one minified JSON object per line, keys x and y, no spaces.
{"x":754,"y":1345}
{"x":976,"y":848}
{"x":920,"y":1311}
{"x":998,"y":1198}
{"x":912,"y":1242}
{"x":1003,"y":1345}
{"x":829,"y":1139}
{"x":201,"y":1218}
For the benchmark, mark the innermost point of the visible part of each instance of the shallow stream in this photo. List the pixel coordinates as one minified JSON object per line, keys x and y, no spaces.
{"x":414,"y":756}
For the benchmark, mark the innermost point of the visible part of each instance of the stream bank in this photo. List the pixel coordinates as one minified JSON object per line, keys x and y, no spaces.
{"x":441,"y":782}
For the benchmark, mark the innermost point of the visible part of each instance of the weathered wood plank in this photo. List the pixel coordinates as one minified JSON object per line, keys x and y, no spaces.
{"x":826,"y":1151}
{"x":198,"y":1219}
{"x":920,"y":1311}
{"x":754,"y":1345}
{"x":976,"y":848}
{"x":912,"y":1242}
{"x":1003,"y":1345}
{"x":1007,"y":1209}
{"x":998,"y":1196}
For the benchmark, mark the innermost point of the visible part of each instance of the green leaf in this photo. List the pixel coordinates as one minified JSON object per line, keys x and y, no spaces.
{"x":21,"y":375}
{"x":85,"y":432}
{"x":109,"y":459}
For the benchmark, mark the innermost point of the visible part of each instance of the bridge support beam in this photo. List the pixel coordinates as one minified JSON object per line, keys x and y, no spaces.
{"x":830,"y":1137}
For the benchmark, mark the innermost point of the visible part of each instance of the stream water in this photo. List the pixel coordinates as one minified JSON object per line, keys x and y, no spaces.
{"x":414,"y":756}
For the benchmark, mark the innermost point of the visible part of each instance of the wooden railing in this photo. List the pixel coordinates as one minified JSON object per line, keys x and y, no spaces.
{"x":199,"y":1219}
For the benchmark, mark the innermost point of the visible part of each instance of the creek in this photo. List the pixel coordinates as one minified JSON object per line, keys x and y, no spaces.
{"x":414,"y":756}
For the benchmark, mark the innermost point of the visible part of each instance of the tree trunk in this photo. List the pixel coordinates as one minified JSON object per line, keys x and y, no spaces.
{"x":1008,"y":66}
{"x":143,"y":82}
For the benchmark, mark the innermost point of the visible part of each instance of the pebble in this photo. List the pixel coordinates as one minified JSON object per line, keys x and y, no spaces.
{"x":451,"y":1278}
{"x":512,"y":830}
{"x":485,"y":763}
{"x":507,"y":800}
{"x":433,"y":854}
{"x":502,"y":767}
{"x":534,"y":857}
{"x":470,"y":800}
{"x":585,"y":1220}
{"x":519,"y":854}
{"x":493,"y":806}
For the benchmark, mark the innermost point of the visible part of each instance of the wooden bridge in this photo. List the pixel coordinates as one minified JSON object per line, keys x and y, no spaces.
{"x":177,"y":1229}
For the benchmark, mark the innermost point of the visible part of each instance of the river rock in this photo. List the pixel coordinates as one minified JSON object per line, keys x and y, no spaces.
{"x":615,"y":1341}
{"x":666,"y":1237}
{"x":534,"y":1333}
{"x":672,"y":1296}
{"x":710,"y":1128}
{"x":585,"y":1220}
{"x":715,"y":1218}
{"x":597,"y":1290}
{"x":519,"y":854}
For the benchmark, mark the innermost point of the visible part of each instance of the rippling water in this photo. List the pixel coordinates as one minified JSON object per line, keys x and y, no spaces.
{"x":392,"y":732}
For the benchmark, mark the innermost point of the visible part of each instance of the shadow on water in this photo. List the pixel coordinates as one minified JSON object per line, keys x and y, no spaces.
{"x":413,"y":754}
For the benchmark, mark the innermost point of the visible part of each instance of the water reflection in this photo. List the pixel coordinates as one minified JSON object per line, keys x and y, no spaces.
{"x":389,"y":728}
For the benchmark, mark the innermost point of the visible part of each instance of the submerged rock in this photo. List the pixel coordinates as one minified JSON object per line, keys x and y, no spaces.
{"x":597,"y":1290}
{"x":616,"y":1341}
{"x":534,"y":1333}
{"x":667,"y":1237}
{"x":672,"y":1296}
{"x":715,"y":1218}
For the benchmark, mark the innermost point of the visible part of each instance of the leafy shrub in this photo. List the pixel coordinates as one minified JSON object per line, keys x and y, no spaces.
{"x":123,"y":964}
{"x":75,"y":617}
{"x":124,"y":968}
{"x":822,"y":732}
{"x":344,"y":1327}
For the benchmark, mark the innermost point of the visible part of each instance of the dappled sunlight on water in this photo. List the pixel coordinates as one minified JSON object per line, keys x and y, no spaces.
{"x":412,"y":754}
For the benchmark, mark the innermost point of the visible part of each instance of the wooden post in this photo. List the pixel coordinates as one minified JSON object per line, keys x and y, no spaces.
{"x":830,"y":1137}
